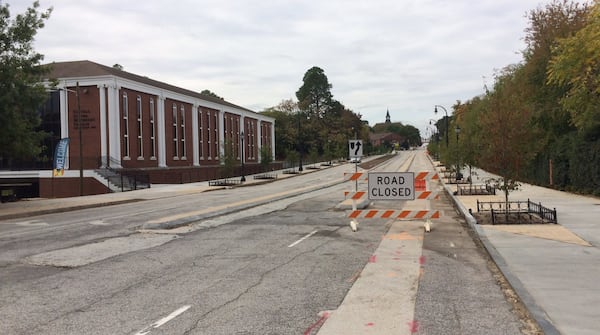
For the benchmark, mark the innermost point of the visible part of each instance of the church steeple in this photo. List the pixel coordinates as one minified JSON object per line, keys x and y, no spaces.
{"x":387,"y":117}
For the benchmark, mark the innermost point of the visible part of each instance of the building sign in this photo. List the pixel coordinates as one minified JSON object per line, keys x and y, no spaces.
{"x":391,"y":186}
{"x":60,"y":157}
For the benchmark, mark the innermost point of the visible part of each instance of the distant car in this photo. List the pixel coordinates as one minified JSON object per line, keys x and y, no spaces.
{"x":355,"y":160}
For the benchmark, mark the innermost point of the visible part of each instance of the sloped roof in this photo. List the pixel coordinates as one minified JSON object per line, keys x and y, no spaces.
{"x":86,"y":68}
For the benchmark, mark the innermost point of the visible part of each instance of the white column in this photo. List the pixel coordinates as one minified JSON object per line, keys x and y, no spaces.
{"x":103,"y":148}
{"x":114,"y":135}
{"x":221,"y":142}
{"x":244,"y":143}
{"x":160,"y":127}
{"x":273,"y":140}
{"x":195,"y":136}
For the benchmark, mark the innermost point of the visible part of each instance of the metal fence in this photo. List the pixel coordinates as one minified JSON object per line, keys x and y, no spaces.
{"x":501,"y":210}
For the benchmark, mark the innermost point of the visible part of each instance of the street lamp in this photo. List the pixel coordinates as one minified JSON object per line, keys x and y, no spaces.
{"x":243,"y":179}
{"x":458,"y":175}
{"x":445,"y":111}
{"x":298,"y":145}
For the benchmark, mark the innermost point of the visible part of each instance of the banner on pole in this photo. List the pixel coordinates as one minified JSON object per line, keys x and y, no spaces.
{"x":60,"y":157}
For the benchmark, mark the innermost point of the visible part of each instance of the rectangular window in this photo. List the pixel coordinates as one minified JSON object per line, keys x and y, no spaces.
{"x":216,"y":139}
{"x":139,"y":127}
{"x":183,"y":149}
{"x":125,"y":111}
{"x":200,"y":135}
{"x":152,"y":130}
{"x":208,"y":133}
{"x":175,"y":130}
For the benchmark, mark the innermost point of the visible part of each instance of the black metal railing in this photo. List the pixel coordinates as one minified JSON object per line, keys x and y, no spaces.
{"x":479,"y":189}
{"x":501,"y":210}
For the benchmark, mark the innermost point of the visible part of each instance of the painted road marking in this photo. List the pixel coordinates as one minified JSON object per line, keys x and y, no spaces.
{"x":302,"y":239}
{"x":164,"y":320}
{"x":36,"y":223}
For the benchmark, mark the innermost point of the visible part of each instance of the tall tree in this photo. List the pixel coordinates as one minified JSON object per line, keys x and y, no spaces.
{"x":314,"y":96}
{"x":509,"y":138}
{"x":21,"y":90}
{"x":576,"y":65}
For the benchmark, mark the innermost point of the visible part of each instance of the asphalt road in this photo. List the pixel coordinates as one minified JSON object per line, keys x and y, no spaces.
{"x":281,"y":256}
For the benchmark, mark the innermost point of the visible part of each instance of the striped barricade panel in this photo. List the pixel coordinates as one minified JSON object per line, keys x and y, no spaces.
{"x":356,"y":176}
{"x":394,"y":214}
{"x":427,"y":175}
{"x":421,"y":195}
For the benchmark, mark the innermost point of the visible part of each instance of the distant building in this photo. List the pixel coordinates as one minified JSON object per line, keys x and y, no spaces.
{"x":136,"y":125}
{"x":378,"y":139}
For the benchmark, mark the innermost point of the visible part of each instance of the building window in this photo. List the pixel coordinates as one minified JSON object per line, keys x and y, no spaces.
{"x":216,"y":141}
{"x":152,"y":130}
{"x":139,"y":127}
{"x":208,"y":133}
{"x":125,"y":112}
{"x":200,"y":135}
{"x":175,"y":130}
{"x":183,"y":148}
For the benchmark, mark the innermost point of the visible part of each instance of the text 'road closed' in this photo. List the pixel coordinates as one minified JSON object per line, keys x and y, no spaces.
{"x":391,"y":186}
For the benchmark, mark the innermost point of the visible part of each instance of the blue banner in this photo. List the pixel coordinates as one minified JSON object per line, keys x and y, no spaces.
{"x":60,"y":157}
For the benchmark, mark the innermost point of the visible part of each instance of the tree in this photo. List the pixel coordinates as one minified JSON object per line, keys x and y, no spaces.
{"x":211,"y":94}
{"x":314,"y":96}
{"x":575,"y":64}
{"x":21,"y":90}
{"x":508,"y":144}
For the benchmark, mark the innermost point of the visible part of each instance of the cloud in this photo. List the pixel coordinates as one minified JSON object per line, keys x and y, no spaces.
{"x":403,"y":55}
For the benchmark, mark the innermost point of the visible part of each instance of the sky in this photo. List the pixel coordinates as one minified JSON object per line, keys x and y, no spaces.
{"x":405,"y":56}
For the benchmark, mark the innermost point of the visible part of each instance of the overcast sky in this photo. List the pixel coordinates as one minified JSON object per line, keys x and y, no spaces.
{"x":401,"y":55}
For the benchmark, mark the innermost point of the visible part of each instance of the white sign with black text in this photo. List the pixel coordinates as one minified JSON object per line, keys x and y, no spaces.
{"x":355,"y":148}
{"x":391,"y":186}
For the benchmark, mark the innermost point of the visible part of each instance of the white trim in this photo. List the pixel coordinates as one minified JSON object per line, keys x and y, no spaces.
{"x":114,"y":121}
{"x":194,"y":125}
{"x":221,"y":119}
{"x":161,"y":136}
{"x":103,"y":133}
{"x":110,"y":80}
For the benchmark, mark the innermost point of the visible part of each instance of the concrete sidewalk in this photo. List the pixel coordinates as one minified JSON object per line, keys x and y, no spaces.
{"x":40,"y":206}
{"x":553,"y":268}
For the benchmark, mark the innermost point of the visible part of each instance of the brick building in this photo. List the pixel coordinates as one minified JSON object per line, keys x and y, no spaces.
{"x":139,"y":126}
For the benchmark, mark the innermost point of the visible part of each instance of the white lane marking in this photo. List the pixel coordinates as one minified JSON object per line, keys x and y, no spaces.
{"x":32,"y":223}
{"x":99,"y":223}
{"x":163,"y":320}
{"x":302,"y":239}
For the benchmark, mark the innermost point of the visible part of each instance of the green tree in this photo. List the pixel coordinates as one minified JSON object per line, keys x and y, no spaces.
{"x":266,"y":158}
{"x":228,"y":159}
{"x":21,"y":90}
{"x":508,"y":144}
{"x":314,"y":96}
{"x":576,"y":65}
{"x":211,"y":94}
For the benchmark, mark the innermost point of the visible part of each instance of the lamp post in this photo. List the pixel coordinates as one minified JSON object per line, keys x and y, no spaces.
{"x":436,"y":135}
{"x":80,"y":142}
{"x":298,"y":144}
{"x":458,"y":175}
{"x":445,"y":111}
{"x":243,"y":179}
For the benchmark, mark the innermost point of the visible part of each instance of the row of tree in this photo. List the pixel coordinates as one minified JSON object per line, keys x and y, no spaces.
{"x":540,"y":122}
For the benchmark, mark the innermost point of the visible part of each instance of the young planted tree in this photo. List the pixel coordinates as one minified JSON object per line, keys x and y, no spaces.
{"x":509,"y":141}
{"x":266,"y":158}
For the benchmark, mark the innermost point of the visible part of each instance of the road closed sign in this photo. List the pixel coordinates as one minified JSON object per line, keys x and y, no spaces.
{"x":391,"y":186}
